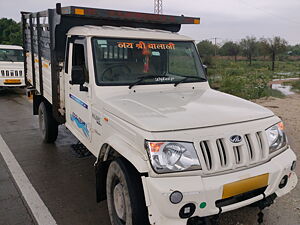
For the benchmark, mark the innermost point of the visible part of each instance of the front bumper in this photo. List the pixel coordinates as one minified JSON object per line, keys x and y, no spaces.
{"x":197,"y":189}
{"x":12,"y":82}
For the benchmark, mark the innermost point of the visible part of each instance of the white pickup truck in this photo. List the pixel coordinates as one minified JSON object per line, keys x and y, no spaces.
{"x":169,"y":149}
{"x":11,"y":66}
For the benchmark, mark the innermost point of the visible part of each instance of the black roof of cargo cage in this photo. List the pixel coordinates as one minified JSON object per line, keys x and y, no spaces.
{"x":61,"y":19}
{"x":126,"y":15}
{"x":121,"y":18}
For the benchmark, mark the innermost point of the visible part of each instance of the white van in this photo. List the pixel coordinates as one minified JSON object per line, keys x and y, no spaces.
{"x":11,"y":66}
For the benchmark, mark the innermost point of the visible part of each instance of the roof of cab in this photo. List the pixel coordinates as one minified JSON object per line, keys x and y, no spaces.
{"x":127,"y":32}
{"x":15,"y":47}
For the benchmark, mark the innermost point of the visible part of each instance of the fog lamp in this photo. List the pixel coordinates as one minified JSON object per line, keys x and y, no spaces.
{"x":187,"y":210}
{"x":283,"y":182}
{"x":176,"y":197}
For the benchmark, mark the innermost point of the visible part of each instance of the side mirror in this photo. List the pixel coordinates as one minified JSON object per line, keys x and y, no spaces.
{"x":77,"y":75}
{"x":205,"y":69}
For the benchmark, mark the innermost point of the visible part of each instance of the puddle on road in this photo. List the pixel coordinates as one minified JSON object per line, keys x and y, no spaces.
{"x":284,"y":89}
{"x":278,"y":84}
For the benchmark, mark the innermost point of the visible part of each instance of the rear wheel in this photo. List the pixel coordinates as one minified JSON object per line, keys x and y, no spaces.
{"x":125,"y":196}
{"x":48,"y":125}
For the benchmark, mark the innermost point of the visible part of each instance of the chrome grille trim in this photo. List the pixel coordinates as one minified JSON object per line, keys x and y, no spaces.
{"x":221,"y":154}
{"x":206,"y":154}
{"x":11,"y":73}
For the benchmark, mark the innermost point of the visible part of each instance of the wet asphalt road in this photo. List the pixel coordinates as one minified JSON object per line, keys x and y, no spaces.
{"x":66,"y":183}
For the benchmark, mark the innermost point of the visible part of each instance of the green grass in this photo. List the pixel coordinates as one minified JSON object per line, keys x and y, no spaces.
{"x":249,"y":82}
{"x":295,"y":85}
{"x":274,"y":93}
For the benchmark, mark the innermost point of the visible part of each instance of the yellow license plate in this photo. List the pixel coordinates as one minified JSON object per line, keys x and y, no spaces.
{"x":12,"y":81}
{"x":243,"y":186}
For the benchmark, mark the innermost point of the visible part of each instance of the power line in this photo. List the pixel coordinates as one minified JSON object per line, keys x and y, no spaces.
{"x":270,"y":14}
{"x":215,"y":38}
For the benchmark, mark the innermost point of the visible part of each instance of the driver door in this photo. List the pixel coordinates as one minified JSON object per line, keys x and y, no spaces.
{"x":78,"y":113}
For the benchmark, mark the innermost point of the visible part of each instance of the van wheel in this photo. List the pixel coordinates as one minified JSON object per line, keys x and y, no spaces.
{"x":48,"y":125}
{"x":125,"y":195}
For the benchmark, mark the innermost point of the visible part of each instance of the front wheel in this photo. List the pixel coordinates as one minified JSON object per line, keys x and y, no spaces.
{"x":125,"y":195}
{"x":48,"y":125}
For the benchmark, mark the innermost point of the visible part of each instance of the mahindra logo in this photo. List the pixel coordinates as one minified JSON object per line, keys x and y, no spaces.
{"x":236,"y":139}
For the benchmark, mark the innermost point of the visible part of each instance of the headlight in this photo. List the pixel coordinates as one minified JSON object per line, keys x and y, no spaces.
{"x":168,"y":157}
{"x":276,"y":137}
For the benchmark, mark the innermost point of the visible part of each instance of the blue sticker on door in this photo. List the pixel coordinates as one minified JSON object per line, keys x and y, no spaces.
{"x":78,"y":101}
{"x":80,"y":124}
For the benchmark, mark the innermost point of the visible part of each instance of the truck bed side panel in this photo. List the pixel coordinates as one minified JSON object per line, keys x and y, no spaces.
{"x":29,"y":76}
{"x":37,"y":41}
{"x":47,"y":83}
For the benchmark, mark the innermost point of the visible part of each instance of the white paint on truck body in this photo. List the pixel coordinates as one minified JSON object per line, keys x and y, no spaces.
{"x":190,"y":112}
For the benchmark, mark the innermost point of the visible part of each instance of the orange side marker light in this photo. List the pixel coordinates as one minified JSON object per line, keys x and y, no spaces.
{"x":154,"y":147}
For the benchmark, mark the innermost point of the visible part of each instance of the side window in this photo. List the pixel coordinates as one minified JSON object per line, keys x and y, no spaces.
{"x":78,"y":59}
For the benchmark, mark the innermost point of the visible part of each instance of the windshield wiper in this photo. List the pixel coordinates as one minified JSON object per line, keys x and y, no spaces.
{"x":142,"y":78}
{"x":189,"y":77}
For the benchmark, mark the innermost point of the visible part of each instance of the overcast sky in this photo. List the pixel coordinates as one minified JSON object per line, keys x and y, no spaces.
{"x":226,"y":20}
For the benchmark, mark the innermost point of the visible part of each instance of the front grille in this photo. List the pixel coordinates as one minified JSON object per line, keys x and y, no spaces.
{"x":206,"y":154}
{"x":11,"y":73}
{"x":221,"y":151}
{"x":221,"y":154}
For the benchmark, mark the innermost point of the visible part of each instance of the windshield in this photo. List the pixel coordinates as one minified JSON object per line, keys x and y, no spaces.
{"x":127,"y":62}
{"x":11,"y":55}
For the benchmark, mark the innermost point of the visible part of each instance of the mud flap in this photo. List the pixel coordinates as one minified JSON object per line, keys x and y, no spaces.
{"x":101,"y":174}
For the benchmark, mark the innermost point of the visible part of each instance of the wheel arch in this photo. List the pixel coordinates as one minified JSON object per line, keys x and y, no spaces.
{"x":37,"y":100}
{"x":113,"y":148}
{"x":117,"y":146}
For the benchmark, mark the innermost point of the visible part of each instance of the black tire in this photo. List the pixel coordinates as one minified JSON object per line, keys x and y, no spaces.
{"x":48,"y":125}
{"x":123,"y":176}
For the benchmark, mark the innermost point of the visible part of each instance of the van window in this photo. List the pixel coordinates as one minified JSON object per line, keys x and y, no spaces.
{"x":11,"y":55}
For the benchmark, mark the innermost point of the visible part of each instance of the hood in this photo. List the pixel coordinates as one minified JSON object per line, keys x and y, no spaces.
{"x":11,"y":65}
{"x":166,"y":111}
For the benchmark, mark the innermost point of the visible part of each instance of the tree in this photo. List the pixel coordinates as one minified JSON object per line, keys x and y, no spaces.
{"x":274,"y":47}
{"x":206,"y":50}
{"x":249,"y":47}
{"x":295,"y":50}
{"x":230,"y":49}
{"x":261,"y":49}
{"x":10,"y":32}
